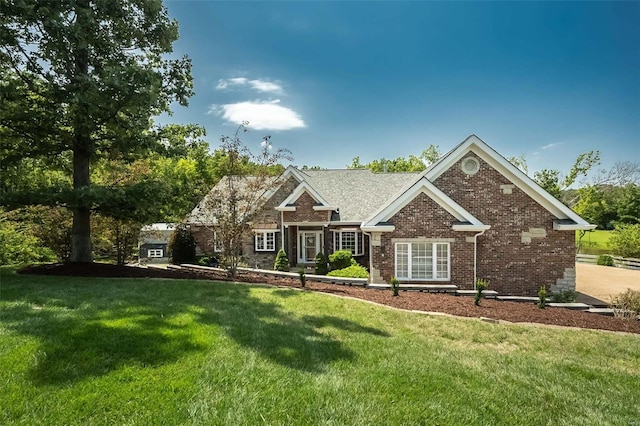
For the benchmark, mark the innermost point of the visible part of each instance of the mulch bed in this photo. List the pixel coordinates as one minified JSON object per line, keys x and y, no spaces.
{"x":429,"y":302}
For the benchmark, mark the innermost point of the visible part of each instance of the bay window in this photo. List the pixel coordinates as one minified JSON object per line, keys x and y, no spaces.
{"x":348,"y":240}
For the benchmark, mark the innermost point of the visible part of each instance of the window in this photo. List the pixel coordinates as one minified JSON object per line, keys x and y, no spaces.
{"x":217,"y":244}
{"x":348,"y":240}
{"x":155,"y":253}
{"x":265,"y":241}
{"x":422,"y":261}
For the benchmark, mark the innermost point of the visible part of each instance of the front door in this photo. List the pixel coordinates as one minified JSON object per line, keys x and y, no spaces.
{"x":308,"y":245}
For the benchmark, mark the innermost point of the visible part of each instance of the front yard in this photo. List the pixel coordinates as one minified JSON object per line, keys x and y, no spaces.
{"x":151,"y":351}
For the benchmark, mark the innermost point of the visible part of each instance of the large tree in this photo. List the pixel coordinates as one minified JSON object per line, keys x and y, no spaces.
{"x":81,"y":79}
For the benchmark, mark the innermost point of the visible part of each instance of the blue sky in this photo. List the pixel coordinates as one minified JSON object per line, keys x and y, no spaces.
{"x":333,"y":80}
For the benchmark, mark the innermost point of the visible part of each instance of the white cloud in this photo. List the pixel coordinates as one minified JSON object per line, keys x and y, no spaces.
{"x":259,"y":85}
{"x":261,"y":115}
{"x":552,"y":145}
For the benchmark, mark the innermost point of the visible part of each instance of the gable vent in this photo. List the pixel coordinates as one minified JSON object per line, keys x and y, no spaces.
{"x":470,"y":165}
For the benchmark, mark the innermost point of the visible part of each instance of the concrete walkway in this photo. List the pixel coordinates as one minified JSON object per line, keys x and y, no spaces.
{"x":603,"y":282}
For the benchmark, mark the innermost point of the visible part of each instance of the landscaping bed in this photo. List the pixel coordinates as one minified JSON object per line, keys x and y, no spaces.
{"x":453,"y":305}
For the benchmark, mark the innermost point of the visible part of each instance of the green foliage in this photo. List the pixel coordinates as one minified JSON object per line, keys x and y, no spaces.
{"x":395,"y":286}
{"x":481,"y":285}
{"x":400,"y":164}
{"x":320,"y":264}
{"x":625,"y":240}
{"x":567,"y":296}
{"x":282,"y":262}
{"x":182,"y":246}
{"x":605,"y":260}
{"x":19,"y":245}
{"x":352,"y":271}
{"x":340,"y":259}
{"x":552,"y":180}
{"x":542,"y":297}
{"x":627,"y":304}
{"x":86,"y":89}
{"x":303,"y":277}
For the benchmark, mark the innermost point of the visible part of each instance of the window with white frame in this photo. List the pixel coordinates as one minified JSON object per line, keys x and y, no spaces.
{"x":423,"y":260}
{"x":350,"y":239}
{"x":155,"y":253}
{"x":217,"y":244}
{"x":265,"y":240}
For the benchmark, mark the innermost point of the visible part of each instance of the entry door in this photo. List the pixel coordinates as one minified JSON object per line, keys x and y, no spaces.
{"x":309,"y":245}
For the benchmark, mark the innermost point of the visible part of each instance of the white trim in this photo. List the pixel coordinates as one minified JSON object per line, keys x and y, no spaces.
{"x":425,"y":187}
{"x":572,"y":227}
{"x":286,"y":208}
{"x":286,"y":224}
{"x":508,"y":170}
{"x":323,"y":208}
{"x":470,"y":228}
{"x":297,"y":193}
{"x":378,"y":228}
{"x":152,"y":253}
{"x":434,"y":260}
{"x":263,"y":234}
{"x":467,"y":160}
{"x":359,"y":248}
{"x":319,"y":244}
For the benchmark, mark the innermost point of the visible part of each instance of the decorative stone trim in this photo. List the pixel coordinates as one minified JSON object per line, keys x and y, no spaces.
{"x":507,"y":189}
{"x":532,"y":233}
{"x":566,"y":283}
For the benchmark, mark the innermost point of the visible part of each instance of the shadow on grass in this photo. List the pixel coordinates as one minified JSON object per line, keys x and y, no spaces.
{"x":90,"y":327}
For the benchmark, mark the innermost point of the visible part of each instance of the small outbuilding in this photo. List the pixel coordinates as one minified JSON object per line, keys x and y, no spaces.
{"x":153,"y":243}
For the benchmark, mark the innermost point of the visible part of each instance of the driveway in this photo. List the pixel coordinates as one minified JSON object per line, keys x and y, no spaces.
{"x":604,"y":282}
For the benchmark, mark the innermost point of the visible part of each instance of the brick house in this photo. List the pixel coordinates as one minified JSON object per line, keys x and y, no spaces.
{"x":470,"y":215}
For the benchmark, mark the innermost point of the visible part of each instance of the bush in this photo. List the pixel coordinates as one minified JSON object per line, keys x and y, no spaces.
{"x":625,"y":240}
{"x":395,"y":286}
{"x":605,"y":260}
{"x":567,"y":296}
{"x":542,"y":297}
{"x":340,"y":259}
{"x":627,"y":304}
{"x":182,"y":246}
{"x":321,"y":264}
{"x":481,"y":285}
{"x":18,"y":246}
{"x":303,"y":277}
{"x":282,"y":262}
{"x":353,"y":271}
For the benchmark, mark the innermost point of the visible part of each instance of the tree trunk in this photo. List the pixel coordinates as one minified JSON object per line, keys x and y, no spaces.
{"x":82,"y":144}
{"x":81,"y":228}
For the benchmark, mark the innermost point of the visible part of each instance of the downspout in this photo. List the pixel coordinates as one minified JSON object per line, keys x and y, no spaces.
{"x":370,"y":253}
{"x":475,"y":257}
{"x":282,"y":233}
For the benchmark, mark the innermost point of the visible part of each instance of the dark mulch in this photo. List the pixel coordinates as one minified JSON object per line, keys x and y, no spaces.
{"x":460,"y":306}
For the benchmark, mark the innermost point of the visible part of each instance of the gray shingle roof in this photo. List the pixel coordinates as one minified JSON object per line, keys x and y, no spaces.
{"x":358,"y":193}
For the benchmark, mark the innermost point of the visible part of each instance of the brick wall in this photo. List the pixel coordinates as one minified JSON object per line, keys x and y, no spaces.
{"x":305,"y":212}
{"x":424,"y":218}
{"x":521,"y":251}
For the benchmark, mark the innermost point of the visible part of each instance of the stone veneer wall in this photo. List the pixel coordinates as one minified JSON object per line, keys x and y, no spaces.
{"x":423,"y":218}
{"x":521,"y":251}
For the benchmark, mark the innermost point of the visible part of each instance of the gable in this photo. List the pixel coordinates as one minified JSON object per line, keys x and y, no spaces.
{"x":475,"y":146}
{"x":465,"y":220}
{"x":304,"y":188}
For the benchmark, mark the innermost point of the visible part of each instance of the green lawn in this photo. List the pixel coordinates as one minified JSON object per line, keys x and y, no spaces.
{"x":595,"y":242}
{"x":142,"y":351}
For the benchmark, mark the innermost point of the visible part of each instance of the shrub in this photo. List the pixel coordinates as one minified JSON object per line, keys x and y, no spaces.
{"x":395,"y":286}
{"x":605,"y":260}
{"x":353,"y":271}
{"x":481,"y":285}
{"x":321,"y":264}
{"x":20,"y":246}
{"x":625,"y":240}
{"x":542,"y":297}
{"x":303,"y":277}
{"x":567,"y":296}
{"x":282,"y":262}
{"x":627,"y":304}
{"x":182,"y":246}
{"x":340,"y":259}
